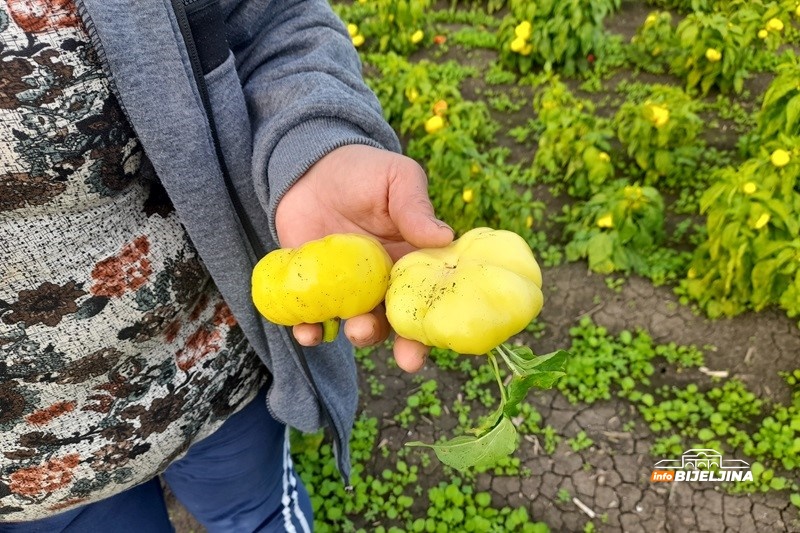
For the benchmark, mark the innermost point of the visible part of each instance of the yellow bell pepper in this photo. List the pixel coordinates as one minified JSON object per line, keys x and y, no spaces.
{"x":470,"y":296}
{"x":336,"y":277}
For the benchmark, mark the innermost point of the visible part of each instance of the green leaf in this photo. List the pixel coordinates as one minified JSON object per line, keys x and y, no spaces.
{"x":465,"y":452}
{"x":530,"y":371}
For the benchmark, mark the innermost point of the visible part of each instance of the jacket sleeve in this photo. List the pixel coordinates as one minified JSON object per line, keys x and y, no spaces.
{"x":302,"y":82}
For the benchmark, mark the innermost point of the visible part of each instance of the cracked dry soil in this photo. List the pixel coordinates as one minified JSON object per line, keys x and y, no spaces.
{"x":752,"y":347}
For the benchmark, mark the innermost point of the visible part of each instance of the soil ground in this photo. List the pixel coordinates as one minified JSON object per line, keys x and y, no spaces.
{"x":752,"y":347}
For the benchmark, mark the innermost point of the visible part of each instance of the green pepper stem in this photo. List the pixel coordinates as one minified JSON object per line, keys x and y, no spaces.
{"x":330,"y":329}
{"x":502,"y":351}
{"x":493,"y":360}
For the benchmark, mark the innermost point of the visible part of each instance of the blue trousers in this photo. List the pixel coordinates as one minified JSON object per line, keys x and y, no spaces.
{"x":238,"y":479}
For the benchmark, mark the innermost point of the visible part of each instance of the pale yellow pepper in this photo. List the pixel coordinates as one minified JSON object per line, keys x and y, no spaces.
{"x":470,"y":296}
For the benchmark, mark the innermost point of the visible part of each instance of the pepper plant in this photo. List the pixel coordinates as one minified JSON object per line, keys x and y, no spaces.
{"x":780,"y":109}
{"x":714,"y":49}
{"x":661,"y":133}
{"x":563,"y":33}
{"x":617,"y":228}
{"x":388,"y":25}
{"x":750,"y":257}
{"x":654,"y":42}
{"x":573,"y":141}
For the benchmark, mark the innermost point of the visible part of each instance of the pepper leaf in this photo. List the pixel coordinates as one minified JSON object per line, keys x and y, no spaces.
{"x":530,"y":371}
{"x":465,"y":452}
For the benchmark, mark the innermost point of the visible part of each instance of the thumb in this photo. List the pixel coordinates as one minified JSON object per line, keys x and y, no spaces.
{"x":411,"y":210}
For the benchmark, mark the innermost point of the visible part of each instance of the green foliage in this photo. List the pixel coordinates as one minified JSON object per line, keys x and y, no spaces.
{"x":617,"y":228}
{"x":579,"y":442}
{"x":750,"y":257}
{"x":600,"y":362}
{"x":780,"y":110}
{"x":563,"y":33}
{"x":715,"y":49}
{"x":661,"y":134}
{"x":573,"y":141}
{"x":456,"y":507}
{"x":390,"y":25}
{"x":653,"y":42}
{"x":423,"y":402}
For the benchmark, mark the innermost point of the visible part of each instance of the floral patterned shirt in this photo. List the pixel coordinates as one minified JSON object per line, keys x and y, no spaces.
{"x":116,"y":349}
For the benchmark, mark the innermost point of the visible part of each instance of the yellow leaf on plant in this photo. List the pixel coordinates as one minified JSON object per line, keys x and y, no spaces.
{"x":650,"y":20}
{"x":467,"y":195}
{"x":762,"y":221}
{"x":529,"y":222}
{"x":434,"y":124}
{"x":604,"y":157}
{"x":606,"y":221}
{"x":780,"y":158}
{"x":417,"y":36}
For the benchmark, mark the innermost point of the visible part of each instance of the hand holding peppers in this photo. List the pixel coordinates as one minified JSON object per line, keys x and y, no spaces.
{"x":361,"y":189}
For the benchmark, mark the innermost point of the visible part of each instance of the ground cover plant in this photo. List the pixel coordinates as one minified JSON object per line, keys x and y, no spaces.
{"x":649,"y":153}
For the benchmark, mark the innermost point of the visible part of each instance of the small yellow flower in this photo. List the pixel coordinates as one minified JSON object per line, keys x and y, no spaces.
{"x":352,"y":29}
{"x":605,"y":221}
{"x":749,"y":187}
{"x":467,"y":195}
{"x":774,"y":24}
{"x":529,"y":222}
{"x":523,"y":30}
{"x":762,"y":221}
{"x":440,"y":107}
{"x":434,"y":124}
{"x":780,"y":158}
{"x":692,"y":273}
{"x":604,"y":157}
{"x":417,"y":36}
{"x":650,"y":20}
{"x":358,"y":40}
{"x":412,"y":95}
{"x":474,"y":168}
{"x":762,"y":34}
{"x":797,"y":10}
{"x":527,"y":50}
{"x":713,"y":55}
{"x":517,"y":44}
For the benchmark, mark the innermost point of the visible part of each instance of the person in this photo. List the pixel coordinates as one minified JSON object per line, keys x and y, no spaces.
{"x":150,"y":152}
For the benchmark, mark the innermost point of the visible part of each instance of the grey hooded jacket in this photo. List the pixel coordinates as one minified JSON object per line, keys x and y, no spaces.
{"x":287,"y":91}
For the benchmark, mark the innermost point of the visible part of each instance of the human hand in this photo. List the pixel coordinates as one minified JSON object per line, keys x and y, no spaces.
{"x":360,"y":189}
